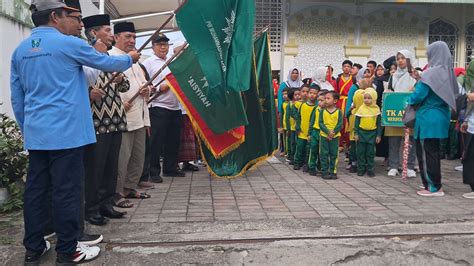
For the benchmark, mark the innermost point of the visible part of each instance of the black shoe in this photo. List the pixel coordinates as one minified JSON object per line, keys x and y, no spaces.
{"x":333,"y":176}
{"x":370,"y":174}
{"x":33,"y":258}
{"x":296,"y":167}
{"x":90,"y":240}
{"x":326,"y":177}
{"x":305,"y":168}
{"x":360,"y":173}
{"x":97,"y":219}
{"x":442,"y":156}
{"x":109,"y":212}
{"x":174,"y":174}
{"x":291,"y":162}
{"x":190,"y":167}
{"x":313,"y":173}
{"x":353,"y":169}
{"x":156,"y":179}
{"x":451,"y":157}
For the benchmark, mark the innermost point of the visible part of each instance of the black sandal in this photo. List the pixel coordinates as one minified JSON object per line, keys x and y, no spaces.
{"x":133,"y":194}
{"x":123,"y":203}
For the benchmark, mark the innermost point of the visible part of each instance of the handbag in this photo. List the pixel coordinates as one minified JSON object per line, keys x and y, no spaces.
{"x":409,"y":117}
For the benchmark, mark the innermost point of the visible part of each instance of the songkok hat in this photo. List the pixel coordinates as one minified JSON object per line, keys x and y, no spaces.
{"x":160,"y":38}
{"x":124,"y":27}
{"x":43,"y":5}
{"x":74,"y":4}
{"x":96,"y":20}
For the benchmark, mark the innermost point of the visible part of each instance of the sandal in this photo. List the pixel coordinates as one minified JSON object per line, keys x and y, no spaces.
{"x":123,"y":203}
{"x":133,"y":194}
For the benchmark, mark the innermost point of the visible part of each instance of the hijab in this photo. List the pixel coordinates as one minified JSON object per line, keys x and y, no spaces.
{"x":319,"y":78}
{"x":360,"y":74}
{"x":401,"y":79}
{"x":440,"y":74}
{"x":357,"y":100}
{"x":294,"y":83}
{"x":372,"y":109}
{"x":469,"y":85}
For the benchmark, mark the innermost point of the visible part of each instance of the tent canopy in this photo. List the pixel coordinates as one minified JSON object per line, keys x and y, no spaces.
{"x":147,"y":15}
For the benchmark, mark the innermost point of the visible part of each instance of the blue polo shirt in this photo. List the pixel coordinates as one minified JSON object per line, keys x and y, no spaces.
{"x":49,"y":91}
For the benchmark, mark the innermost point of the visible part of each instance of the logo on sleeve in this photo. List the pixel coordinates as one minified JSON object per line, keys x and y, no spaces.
{"x":35,"y":43}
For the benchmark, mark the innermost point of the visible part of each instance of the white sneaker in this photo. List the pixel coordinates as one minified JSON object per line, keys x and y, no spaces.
{"x":393,"y":172}
{"x":469,"y":195}
{"x":411,"y":173}
{"x":458,"y":168}
{"x":86,"y":253}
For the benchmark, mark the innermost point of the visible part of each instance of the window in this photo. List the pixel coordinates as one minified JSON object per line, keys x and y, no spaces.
{"x":441,"y":30}
{"x":268,"y":12}
{"x":469,"y":42}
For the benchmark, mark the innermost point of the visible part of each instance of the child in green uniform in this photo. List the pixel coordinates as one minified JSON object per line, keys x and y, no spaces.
{"x":293,"y":97}
{"x":283,"y":129}
{"x":313,"y":137}
{"x":302,"y":128}
{"x":368,"y":132}
{"x":330,"y":123}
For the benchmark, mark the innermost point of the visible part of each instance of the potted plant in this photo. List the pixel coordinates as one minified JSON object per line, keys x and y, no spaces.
{"x":13,"y":164}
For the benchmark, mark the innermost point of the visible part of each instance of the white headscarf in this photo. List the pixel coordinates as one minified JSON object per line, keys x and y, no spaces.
{"x":319,"y":78}
{"x":401,"y":79}
{"x":294,"y":83}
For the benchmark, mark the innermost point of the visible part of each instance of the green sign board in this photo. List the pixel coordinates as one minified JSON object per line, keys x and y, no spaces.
{"x":393,"y":108}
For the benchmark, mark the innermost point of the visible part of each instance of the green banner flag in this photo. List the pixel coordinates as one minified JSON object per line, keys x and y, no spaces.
{"x":393,"y":108}
{"x":255,"y":147}
{"x":265,"y":90}
{"x":220,"y":114}
{"x":220,"y":32}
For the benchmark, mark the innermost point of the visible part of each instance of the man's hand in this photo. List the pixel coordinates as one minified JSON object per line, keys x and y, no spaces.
{"x":280,"y":130}
{"x":145,"y":91}
{"x":96,"y":94}
{"x":463,"y":128}
{"x":470,"y":97}
{"x":356,"y":138}
{"x":127,"y":106}
{"x":100,"y":46}
{"x":309,"y":138}
{"x":164,"y":88}
{"x":378,"y":140}
{"x":135,"y":55}
{"x":119,"y":78}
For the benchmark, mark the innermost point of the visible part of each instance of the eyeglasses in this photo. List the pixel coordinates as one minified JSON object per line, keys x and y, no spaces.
{"x":77,"y":18}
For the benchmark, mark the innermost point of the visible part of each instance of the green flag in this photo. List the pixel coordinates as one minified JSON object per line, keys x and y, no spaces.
{"x":218,"y":114}
{"x":265,"y":90}
{"x":220,"y":32}
{"x":255,"y":147}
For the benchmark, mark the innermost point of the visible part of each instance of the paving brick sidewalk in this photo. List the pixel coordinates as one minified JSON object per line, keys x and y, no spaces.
{"x":275,"y":191}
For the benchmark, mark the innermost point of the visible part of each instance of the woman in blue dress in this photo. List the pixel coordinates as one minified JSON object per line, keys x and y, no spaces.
{"x":434,"y":95}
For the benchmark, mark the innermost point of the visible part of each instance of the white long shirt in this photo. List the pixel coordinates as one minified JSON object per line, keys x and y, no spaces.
{"x":167,"y":100}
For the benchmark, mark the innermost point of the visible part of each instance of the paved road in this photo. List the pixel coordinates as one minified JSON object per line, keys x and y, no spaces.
{"x":275,"y":215}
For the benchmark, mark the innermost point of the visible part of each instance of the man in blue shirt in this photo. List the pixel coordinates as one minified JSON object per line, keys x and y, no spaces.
{"x":51,"y":105}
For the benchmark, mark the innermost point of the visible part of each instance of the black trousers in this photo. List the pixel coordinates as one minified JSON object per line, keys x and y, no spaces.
{"x":468,"y":160}
{"x":101,"y":164}
{"x":428,"y":155}
{"x":163,"y":140}
{"x":54,"y":182}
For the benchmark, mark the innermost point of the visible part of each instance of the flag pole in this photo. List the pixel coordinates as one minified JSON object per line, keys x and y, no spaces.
{"x":153,"y":36}
{"x":266,"y":28}
{"x":152,"y":78}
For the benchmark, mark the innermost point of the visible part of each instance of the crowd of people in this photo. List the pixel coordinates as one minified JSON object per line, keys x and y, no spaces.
{"x":322,"y":116}
{"x":96,"y":133}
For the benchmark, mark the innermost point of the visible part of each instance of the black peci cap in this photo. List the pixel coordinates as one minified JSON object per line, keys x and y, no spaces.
{"x":96,"y":20}
{"x":124,"y":27}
